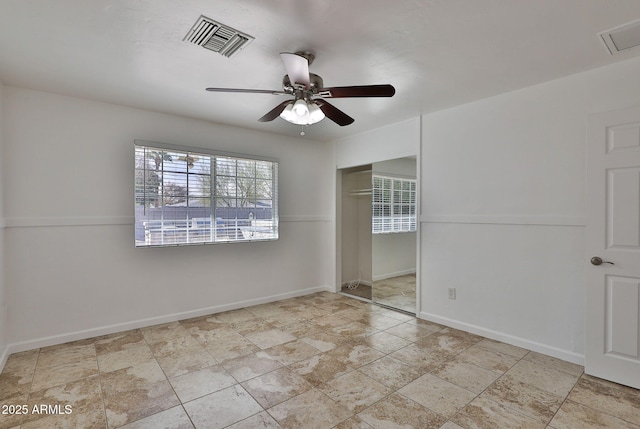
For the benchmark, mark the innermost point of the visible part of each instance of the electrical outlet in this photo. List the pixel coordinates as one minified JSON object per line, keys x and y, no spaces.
{"x":452,"y":293}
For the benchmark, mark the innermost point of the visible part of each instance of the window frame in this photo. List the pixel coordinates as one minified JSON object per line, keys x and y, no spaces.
{"x":209,"y":228}
{"x":387,"y":215}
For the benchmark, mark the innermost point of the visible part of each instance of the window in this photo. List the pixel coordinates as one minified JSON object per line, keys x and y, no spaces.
{"x":394,"y":204}
{"x":194,"y":196}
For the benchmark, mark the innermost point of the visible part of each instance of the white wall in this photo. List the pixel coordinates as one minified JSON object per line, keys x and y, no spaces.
{"x":503,"y":198}
{"x":393,"y":255}
{"x":3,"y":296}
{"x":73,"y":271}
{"x":390,"y":142}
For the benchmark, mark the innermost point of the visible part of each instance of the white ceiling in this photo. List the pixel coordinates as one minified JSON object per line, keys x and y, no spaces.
{"x":437,"y":53}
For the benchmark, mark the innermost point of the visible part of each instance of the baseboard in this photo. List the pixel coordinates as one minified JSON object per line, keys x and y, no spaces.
{"x":359,"y":282}
{"x":395,"y":274}
{"x":142,"y":323}
{"x":506,"y":338}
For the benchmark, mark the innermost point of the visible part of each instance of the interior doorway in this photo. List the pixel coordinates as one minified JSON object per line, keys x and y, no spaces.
{"x":379,"y":233}
{"x":612,"y":243}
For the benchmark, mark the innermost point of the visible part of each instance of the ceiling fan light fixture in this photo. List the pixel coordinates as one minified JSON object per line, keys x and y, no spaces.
{"x":300,"y":120}
{"x":311,"y":113}
{"x":300,"y":107}
{"x":315,"y":113}
{"x":287,"y":114}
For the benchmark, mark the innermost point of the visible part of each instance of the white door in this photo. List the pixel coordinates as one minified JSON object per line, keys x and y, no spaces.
{"x":613,"y":235}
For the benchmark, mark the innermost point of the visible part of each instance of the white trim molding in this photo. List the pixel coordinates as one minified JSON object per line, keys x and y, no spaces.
{"x":507,"y":219}
{"x":28,"y":222}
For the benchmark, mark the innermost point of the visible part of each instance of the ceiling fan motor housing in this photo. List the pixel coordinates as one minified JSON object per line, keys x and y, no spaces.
{"x":315,"y":83}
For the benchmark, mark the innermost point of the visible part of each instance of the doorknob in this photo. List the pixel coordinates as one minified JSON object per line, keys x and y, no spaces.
{"x":596,"y":260}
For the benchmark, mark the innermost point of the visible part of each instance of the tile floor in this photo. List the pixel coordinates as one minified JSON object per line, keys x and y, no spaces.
{"x":321,"y":361}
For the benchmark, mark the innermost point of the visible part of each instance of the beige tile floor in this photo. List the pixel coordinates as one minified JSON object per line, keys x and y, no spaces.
{"x":321,"y":361}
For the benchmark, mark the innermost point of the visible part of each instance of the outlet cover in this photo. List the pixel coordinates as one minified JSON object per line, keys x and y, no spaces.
{"x":452,"y":293}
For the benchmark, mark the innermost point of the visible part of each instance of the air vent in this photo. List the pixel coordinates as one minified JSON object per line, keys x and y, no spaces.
{"x":622,"y":38}
{"x":217,"y":37}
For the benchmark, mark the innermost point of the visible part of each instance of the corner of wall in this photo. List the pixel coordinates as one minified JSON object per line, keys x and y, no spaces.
{"x":4,"y":348}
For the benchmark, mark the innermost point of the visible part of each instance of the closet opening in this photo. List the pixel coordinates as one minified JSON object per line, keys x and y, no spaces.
{"x":378,"y":233}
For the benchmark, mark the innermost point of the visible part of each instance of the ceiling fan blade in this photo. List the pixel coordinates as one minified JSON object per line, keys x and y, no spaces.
{"x":335,"y":114}
{"x":297,"y":68}
{"x":248,"y":91}
{"x":275,"y":112}
{"x":357,"y":91}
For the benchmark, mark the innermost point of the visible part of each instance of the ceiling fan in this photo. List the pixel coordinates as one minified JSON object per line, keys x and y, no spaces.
{"x":309,"y":104}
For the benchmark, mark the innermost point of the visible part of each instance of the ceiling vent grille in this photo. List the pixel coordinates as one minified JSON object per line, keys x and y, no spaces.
{"x":622,"y":38}
{"x":217,"y":37}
